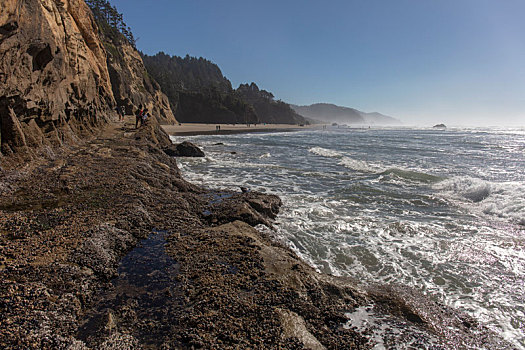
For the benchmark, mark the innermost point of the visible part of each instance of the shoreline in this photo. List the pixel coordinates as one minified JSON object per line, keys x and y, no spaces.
{"x":70,"y":221}
{"x":194,"y":129}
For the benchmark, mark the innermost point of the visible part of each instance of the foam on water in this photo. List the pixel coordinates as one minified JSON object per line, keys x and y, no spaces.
{"x":441,"y":211}
{"x":348,"y":162}
{"x":387,"y":333}
{"x":320,"y":151}
{"x":502,"y":199}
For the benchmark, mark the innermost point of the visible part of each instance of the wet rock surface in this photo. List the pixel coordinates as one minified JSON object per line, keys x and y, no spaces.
{"x":184,"y":149}
{"x":105,"y":246}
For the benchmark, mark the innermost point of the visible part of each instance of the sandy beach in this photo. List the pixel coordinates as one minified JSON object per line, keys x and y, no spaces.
{"x":187,"y":129}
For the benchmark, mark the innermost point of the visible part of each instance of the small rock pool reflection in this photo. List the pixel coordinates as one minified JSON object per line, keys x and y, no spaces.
{"x":145,"y":288}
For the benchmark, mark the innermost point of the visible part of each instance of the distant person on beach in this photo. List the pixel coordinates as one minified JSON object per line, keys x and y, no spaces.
{"x":138,"y":116}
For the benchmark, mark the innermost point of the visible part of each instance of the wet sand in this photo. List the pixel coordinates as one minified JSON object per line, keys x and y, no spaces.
{"x":190,"y":129}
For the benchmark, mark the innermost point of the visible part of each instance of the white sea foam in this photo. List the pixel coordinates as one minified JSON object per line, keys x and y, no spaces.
{"x":503,"y":199}
{"x":347,"y":162}
{"x":383,"y":330}
{"x":324,"y":152}
{"x":393,"y":221}
{"x":359,"y":165}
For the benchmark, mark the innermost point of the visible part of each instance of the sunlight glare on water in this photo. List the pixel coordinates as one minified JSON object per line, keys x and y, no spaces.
{"x":439,"y":210}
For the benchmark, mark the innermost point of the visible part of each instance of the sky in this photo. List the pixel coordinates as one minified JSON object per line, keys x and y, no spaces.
{"x":459,"y":62}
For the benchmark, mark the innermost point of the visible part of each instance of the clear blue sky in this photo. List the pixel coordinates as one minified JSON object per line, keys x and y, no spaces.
{"x":422,"y":61}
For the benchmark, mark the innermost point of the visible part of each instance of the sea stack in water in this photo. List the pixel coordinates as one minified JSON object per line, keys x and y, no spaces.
{"x":440,"y":126}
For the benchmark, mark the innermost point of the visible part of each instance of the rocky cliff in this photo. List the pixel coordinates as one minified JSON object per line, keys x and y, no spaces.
{"x":54,"y":82}
{"x":268,"y":110}
{"x":132,"y":85}
{"x":60,"y":76}
{"x":197,"y":90}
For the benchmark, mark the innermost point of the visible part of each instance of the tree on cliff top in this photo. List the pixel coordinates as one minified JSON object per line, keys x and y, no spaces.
{"x":110,"y":21}
{"x":267,"y":109}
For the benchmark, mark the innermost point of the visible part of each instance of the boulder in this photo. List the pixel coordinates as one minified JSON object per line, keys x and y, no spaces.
{"x":184,"y":149}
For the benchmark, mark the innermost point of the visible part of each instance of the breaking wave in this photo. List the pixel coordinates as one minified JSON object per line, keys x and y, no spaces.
{"x":502,"y":199}
{"x":347,"y":162}
{"x":412,"y":175}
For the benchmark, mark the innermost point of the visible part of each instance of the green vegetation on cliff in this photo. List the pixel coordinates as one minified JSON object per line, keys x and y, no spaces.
{"x":197,"y":90}
{"x":131,"y":84}
{"x":268,"y":110}
{"x":110,"y":22}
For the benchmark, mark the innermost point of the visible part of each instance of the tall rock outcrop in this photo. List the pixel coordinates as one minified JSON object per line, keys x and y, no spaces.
{"x":54,"y":81}
{"x":132,"y":86}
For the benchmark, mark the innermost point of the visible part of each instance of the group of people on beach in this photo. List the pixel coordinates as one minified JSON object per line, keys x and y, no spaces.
{"x":141,"y":115}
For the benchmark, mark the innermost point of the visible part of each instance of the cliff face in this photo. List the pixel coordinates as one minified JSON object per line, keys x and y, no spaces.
{"x":132,"y":86}
{"x":197,"y":90}
{"x":54,"y":82}
{"x":268,"y":110}
{"x":213,"y":107}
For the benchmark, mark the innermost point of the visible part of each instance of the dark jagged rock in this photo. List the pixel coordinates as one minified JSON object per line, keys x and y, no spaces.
{"x":440,"y":126}
{"x":184,"y":149}
{"x":253,"y":208}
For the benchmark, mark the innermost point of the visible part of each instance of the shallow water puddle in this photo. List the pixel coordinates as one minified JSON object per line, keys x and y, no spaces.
{"x":215,"y":198}
{"x":145,"y":288}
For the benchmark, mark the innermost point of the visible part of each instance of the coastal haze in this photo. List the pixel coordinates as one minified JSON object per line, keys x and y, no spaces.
{"x":424,"y":208}
{"x":458,"y":63}
{"x":203,"y":174}
{"x":328,"y":113}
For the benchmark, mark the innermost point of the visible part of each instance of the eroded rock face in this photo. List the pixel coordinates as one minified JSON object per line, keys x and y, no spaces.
{"x":131,"y":84}
{"x":54,"y":82}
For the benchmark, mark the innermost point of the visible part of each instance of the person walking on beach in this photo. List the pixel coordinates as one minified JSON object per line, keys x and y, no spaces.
{"x":138,"y":116}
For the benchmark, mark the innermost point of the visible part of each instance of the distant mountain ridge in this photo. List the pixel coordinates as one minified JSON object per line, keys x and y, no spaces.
{"x":330,"y":113}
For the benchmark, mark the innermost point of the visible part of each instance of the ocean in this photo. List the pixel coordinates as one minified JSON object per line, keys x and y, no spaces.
{"x":442,"y":211}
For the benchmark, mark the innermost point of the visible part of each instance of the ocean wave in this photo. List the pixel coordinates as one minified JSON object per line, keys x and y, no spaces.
{"x":347,"y":162}
{"x":412,"y":175}
{"x":359,"y":165}
{"x":325,"y":152}
{"x":368,"y":167}
{"x":502,"y":199}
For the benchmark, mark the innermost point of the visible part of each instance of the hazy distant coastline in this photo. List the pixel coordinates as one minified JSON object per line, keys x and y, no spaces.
{"x":319,"y":113}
